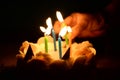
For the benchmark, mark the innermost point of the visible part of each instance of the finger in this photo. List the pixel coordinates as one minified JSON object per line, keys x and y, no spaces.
{"x":90,"y":34}
{"x":68,"y":21}
{"x":57,"y":27}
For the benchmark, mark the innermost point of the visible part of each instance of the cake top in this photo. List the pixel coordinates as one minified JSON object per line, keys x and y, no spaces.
{"x":83,"y":49}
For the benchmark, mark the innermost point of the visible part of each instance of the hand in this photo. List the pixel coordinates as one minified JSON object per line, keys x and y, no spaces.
{"x":83,"y":25}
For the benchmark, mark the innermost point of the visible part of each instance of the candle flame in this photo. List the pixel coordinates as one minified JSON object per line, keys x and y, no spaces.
{"x":59,"y":16}
{"x":69,"y":29}
{"x":42,"y":29}
{"x":64,"y":30}
{"x":47,"y":31}
{"x":49,"y":23}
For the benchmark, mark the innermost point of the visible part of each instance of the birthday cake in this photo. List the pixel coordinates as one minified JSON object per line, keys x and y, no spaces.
{"x":49,"y":58}
{"x":33,"y":60}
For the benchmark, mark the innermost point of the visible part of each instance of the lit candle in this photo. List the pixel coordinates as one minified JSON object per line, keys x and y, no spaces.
{"x":60,"y":47}
{"x":49,"y":24}
{"x":69,"y":30}
{"x":61,"y":34}
{"x":45,"y":38}
{"x":63,"y":25}
{"x":69,"y":35}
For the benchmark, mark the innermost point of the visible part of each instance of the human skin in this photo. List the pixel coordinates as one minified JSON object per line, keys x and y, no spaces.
{"x":83,"y":25}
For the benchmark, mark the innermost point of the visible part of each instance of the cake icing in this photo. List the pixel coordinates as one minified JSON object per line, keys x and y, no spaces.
{"x":84,"y":49}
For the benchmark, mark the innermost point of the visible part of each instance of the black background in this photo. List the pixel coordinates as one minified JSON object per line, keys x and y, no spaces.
{"x":20,"y":20}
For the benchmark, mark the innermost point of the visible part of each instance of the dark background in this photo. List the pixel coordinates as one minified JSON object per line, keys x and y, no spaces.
{"x":20,"y":21}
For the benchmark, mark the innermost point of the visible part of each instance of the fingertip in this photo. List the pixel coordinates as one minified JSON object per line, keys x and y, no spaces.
{"x":57,"y":27}
{"x":68,"y":20}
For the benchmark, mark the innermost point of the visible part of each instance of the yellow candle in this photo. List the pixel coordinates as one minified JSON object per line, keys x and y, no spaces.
{"x":46,"y":44}
{"x":45,"y":38}
{"x":63,"y":25}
